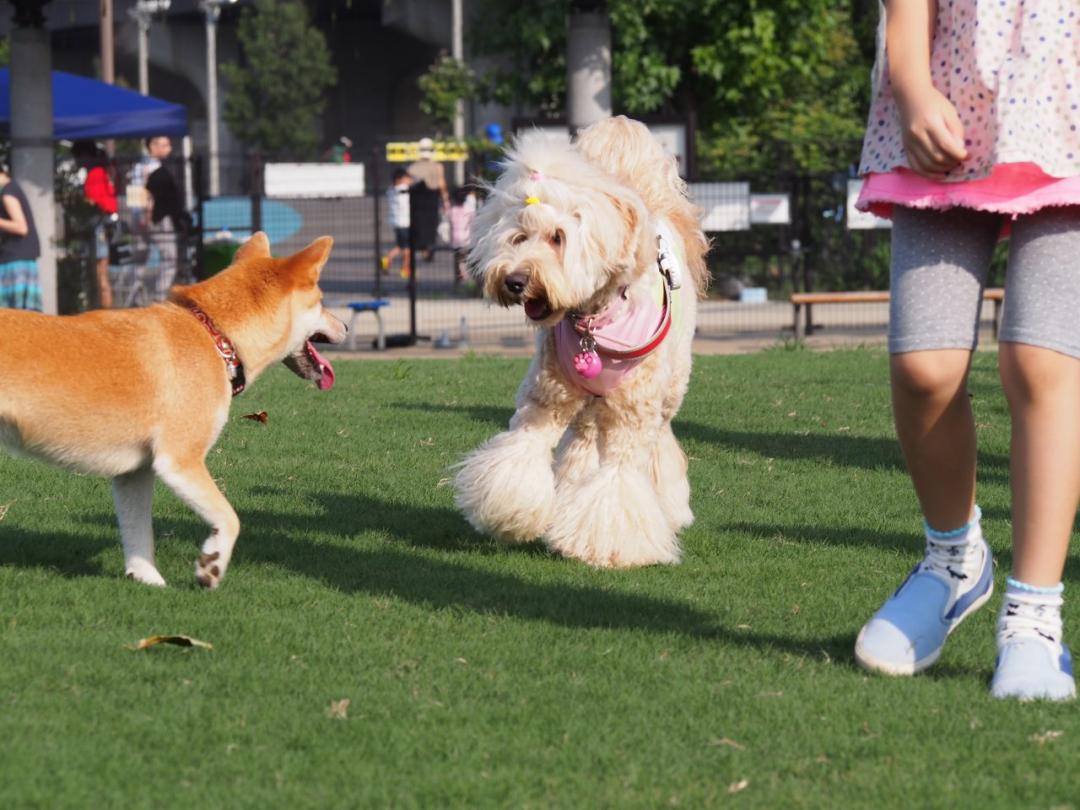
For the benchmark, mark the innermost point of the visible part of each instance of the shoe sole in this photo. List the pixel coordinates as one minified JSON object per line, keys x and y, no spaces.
{"x":873,"y":664}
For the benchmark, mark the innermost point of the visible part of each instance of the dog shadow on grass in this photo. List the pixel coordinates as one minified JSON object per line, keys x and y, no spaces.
{"x":393,"y":570}
{"x":843,"y":450}
{"x":68,"y":554}
{"x":869,"y":453}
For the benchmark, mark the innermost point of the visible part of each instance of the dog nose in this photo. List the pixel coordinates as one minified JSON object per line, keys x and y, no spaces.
{"x":515,"y":283}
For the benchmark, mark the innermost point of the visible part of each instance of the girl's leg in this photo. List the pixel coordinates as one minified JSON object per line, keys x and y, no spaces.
{"x":1043,"y":390}
{"x":936,"y":429}
{"x":104,"y":288}
{"x":939,"y":266}
{"x":1040,"y":372}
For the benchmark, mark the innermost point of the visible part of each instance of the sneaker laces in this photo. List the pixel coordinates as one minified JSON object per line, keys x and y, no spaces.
{"x":1024,"y":616}
{"x":953,"y":560}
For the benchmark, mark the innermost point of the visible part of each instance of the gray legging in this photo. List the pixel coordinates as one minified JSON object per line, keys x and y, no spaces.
{"x":939,"y":264}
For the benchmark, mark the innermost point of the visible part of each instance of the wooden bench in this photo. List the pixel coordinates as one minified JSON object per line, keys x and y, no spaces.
{"x":808,"y":299}
{"x":373,"y":306}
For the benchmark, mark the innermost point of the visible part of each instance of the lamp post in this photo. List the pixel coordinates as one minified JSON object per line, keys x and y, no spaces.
{"x":458,"y":52}
{"x":212,"y":10}
{"x":142,"y":13}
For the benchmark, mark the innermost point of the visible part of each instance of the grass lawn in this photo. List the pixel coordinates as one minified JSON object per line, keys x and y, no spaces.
{"x":484,"y":676}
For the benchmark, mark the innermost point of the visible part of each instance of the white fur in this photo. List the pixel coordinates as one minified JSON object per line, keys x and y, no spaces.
{"x":567,"y":227}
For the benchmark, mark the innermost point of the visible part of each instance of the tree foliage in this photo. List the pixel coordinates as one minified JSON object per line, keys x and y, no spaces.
{"x":277,"y":92}
{"x":445,"y":82}
{"x":771,"y":83}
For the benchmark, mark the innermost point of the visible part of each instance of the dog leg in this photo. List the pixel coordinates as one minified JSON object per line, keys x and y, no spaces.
{"x":612,"y":518}
{"x":506,"y":486}
{"x":193,"y":485}
{"x":577,"y":456}
{"x":133,"y":495}
{"x":667,"y":468}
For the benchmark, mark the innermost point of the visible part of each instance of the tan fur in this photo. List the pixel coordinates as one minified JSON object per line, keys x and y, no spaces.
{"x":614,"y":492}
{"x":131,"y":394}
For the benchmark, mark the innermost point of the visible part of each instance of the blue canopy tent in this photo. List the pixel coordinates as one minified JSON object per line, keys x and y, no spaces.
{"x":88,"y":108}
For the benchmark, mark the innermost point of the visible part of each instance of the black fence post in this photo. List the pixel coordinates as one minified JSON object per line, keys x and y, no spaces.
{"x":376,"y":197}
{"x":413,"y":264}
{"x":806,"y":239}
{"x":256,"y":192}
{"x":200,"y":210}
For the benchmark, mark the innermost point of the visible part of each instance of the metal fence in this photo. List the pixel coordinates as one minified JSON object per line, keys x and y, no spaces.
{"x":771,"y":236}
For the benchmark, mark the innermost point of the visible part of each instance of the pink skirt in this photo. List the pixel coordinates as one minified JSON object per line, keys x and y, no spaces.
{"x":1012,"y":188}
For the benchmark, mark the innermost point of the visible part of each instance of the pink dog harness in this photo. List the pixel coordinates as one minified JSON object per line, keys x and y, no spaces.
{"x":597,"y":351}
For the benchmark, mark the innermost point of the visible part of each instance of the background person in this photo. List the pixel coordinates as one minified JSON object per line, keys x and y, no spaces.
{"x":166,"y":218}
{"x":398,"y":199}
{"x":462,"y":210}
{"x":19,"y":247}
{"x":970,"y":134}
{"x":99,"y":190}
{"x":429,"y":196}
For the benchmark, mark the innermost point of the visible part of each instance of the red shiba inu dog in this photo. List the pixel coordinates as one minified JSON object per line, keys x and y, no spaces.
{"x":134,"y":394}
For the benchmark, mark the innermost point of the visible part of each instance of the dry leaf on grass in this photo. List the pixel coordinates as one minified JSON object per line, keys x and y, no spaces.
{"x":738,"y":787}
{"x":339,"y":709}
{"x":1045,"y":737}
{"x":179,"y":641}
{"x":4,"y":509}
{"x":258,"y":416}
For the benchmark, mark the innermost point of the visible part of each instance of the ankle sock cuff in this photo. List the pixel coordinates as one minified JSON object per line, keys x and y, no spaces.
{"x":953,"y":534}
{"x":1023,"y":587}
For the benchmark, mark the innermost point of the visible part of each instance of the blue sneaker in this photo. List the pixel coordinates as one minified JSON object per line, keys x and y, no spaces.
{"x":1033,"y":663}
{"x":906,"y":635}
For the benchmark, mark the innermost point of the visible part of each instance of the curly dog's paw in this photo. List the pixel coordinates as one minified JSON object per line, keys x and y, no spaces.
{"x":506,"y":487}
{"x":612,"y":520}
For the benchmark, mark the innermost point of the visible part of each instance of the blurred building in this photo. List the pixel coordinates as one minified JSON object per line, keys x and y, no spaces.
{"x":379,"y":48}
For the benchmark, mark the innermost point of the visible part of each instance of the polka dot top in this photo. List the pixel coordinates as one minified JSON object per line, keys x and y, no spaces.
{"x":1012,"y":70}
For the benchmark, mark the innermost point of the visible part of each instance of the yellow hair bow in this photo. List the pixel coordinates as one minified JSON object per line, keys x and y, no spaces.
{"x":532,"y":200}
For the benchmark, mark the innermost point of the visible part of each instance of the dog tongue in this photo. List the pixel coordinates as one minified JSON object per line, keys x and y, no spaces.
{"x":326,"y":371}
{"x":537,"y":309}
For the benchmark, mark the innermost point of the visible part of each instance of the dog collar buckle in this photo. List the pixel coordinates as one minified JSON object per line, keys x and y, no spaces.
{"x":665,"y":261}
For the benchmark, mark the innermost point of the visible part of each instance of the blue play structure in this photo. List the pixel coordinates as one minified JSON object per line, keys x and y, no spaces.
{"x":233,"y":214}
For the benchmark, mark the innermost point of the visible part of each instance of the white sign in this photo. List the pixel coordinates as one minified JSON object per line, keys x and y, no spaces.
{"x":293,"y":180}
{"x":724,"y":206}
{"x":861,"y":220}
{"x":770,"y":209}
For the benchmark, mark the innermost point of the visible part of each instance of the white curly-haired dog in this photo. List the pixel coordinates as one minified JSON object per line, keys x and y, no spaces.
{"x":598,"y":241}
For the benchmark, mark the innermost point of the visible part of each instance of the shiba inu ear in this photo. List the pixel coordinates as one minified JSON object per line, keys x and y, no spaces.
{"x":308,"y":263}
{"x":257,"y":247}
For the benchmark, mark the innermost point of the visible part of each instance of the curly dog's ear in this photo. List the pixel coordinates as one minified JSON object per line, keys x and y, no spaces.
{"x":633,"y":218}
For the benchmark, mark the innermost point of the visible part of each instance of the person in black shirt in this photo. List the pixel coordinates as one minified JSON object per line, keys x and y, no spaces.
{"x":166,"y":218}
{"x":19,"y":247}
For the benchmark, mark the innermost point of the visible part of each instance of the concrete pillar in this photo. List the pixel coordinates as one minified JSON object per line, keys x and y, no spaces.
{"x":588,"y":69}
{"x":32,"y":156}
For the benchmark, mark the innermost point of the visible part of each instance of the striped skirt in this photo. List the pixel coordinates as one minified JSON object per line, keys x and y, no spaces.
{"x":19,"y":288}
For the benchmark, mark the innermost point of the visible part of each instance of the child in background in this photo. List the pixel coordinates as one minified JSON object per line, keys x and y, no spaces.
{"x":99,"y":190}
{"x":398,"y":199}
{"x":462,"y":209}
{"x":973,"y":130}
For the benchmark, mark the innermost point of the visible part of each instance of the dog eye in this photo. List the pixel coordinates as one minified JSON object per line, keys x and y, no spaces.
{"x":518,"y":238}
{"x":556,"y":238}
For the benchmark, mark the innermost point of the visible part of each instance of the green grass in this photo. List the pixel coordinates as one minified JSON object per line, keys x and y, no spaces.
{"x":482,"y":676}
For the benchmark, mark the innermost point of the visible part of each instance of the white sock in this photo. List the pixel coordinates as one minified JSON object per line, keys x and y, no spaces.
{"x":958,"y":553}
{"x":1030,"y":610}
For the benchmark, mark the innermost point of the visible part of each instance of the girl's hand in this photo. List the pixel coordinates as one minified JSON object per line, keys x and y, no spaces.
{"x":932,"y":132}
